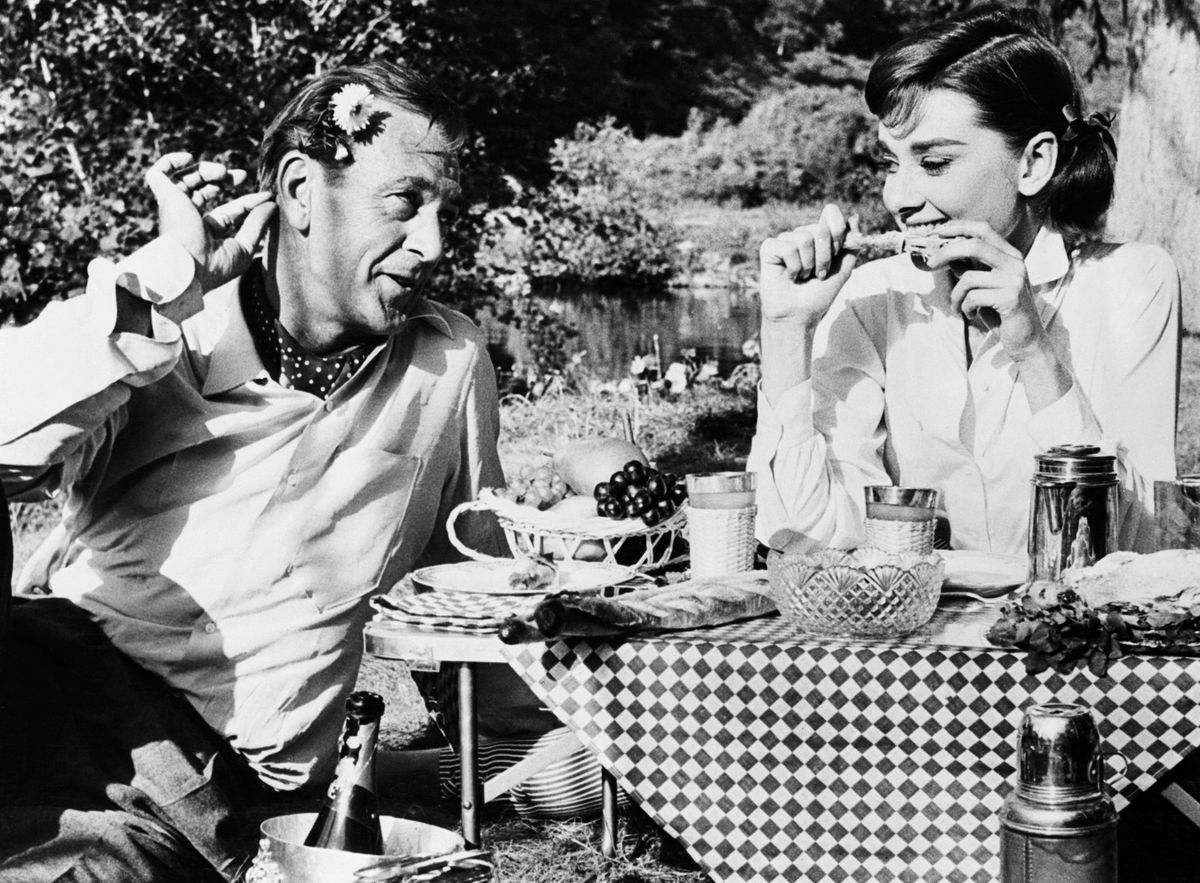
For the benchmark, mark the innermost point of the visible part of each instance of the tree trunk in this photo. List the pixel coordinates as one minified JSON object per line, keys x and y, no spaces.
{"x":1158,"y":176}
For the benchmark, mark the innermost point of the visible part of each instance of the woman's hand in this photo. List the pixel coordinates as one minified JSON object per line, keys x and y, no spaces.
{"x":994,"y":277}
{"x":802,"y":271}
{"x":995,"y":281}
{"x":221,"y":240}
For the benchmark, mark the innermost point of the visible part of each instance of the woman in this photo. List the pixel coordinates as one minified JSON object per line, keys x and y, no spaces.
{"x":1021,"y":334}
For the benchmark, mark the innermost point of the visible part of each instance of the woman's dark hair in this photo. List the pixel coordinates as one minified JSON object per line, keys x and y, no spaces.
{"x":306,"y":124}
{"x":1002,"y":59}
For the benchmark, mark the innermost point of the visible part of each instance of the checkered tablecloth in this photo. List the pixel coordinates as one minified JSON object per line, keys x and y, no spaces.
{"x":774,"y":757}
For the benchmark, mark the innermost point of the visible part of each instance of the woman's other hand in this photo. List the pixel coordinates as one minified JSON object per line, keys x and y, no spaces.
{"x":222,"y":238}
{"x":993,"y":285}
{"x":802,"y":270}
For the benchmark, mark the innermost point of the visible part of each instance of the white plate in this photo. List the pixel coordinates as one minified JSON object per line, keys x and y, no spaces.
{"x":981,"y":575}
{"x":491,"y":577}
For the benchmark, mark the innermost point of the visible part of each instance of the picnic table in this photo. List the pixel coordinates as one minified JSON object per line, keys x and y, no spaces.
{"x":771,"y":755}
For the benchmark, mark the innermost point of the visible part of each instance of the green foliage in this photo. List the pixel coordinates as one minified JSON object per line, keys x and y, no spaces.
{"x":588,"y":225}
{"x":122,"y":81}
{"x":861,"y":28}
{"x":95,"y":89}
{"x":55,"y":214}
{"x":810,"y":143}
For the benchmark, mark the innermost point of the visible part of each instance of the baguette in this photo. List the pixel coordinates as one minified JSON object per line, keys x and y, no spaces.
{"x":691,"y":604}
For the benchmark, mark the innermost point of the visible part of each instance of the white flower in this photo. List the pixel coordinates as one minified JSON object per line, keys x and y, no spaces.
{"x":350,"y":105}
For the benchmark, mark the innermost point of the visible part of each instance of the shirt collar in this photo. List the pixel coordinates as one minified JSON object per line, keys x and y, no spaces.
{"x":1047,"y":260}
{"x":428,"y":313}
{"x":236,"y":361}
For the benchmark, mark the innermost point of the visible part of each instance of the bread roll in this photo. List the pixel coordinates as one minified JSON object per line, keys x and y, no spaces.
{"x":1130,"y":578}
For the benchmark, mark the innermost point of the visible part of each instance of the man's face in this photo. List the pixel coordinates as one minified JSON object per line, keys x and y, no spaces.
{"x":948,"y":166}
{"x":377,"y":230}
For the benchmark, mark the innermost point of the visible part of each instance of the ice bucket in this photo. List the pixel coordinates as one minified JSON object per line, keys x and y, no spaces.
{"x":283,"y":857}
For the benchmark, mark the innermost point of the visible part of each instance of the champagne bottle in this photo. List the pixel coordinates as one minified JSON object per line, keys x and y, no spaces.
{"x":349,"y":819}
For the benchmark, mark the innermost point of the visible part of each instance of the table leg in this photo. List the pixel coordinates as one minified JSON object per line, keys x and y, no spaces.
{"x":608,"y":811}
{"x":468,"y":754}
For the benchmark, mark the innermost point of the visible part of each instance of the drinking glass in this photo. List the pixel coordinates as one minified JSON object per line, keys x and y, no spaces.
{"x":721,"y":512}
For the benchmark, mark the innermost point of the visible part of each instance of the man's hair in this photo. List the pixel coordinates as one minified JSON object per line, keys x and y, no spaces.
{"x":305,"y":122}
{"x":1002,"y":59}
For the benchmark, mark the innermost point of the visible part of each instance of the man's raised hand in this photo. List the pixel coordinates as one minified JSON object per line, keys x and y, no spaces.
{"x":221,"y":239}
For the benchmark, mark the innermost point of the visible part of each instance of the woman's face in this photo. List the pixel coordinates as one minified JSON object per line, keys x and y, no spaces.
{"x":942,"y":164}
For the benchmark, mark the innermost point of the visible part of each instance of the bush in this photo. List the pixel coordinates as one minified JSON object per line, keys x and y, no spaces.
{"x":804,"y":144}
{"x":56,"y":212}
{"x":114,"y":78}
{"x":589,"y":225}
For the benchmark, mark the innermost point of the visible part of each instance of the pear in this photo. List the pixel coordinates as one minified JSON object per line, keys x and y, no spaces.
{"x":570,"y":511}
{"x":576,"y":512}
{"x":586,"y":462}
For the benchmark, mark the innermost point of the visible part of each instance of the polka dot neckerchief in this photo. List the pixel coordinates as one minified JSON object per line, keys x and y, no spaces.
{"x":285,"y":360}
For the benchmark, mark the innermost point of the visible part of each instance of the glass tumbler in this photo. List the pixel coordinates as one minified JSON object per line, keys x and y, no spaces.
{"x":721,"y":513}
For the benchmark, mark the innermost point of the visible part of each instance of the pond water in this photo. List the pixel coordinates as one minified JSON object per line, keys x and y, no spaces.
{"x":614,"y":328}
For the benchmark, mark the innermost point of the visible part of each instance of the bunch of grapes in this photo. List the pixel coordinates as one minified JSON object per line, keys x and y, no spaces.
{"x":541,"y":487}
{"x":638,"y":491}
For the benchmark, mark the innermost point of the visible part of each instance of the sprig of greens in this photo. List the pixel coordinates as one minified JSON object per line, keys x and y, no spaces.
{"x":1059,"y":630}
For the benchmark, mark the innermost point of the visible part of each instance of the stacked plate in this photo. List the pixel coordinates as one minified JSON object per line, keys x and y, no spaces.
{"x":982,"y":576}
{"x":474,"y":597}
{"x":460,"y":612}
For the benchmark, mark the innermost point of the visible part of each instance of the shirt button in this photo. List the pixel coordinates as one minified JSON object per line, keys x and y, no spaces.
{"x":291,"y":479}
{"x":210,"y":627}
{"x":328,"y":406}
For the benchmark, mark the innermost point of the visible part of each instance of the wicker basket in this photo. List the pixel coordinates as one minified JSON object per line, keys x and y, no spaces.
{"x":867,"y":593}
{"x":627,"y":543}
{"x":722,"y":540}
{"x":899,"y":537}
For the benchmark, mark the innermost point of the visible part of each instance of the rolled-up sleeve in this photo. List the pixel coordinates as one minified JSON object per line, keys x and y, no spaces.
{"x":819,"y":445}
{"x":65,"y":377}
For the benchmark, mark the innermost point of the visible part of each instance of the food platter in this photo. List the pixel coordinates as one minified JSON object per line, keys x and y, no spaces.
{"x":491,"y":577}
{"x":981,"y":575}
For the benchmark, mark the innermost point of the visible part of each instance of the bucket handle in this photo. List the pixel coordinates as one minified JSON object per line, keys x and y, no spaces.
{"x":469,"y":506}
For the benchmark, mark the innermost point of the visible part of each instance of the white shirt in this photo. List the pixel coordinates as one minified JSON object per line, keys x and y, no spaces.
{"x":891,"y":400}
{"x":225,"y":531}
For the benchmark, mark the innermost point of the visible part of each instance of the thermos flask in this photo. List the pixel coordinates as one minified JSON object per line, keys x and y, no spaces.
{"x":1057,"y":826}
{"x":1073,"y":513}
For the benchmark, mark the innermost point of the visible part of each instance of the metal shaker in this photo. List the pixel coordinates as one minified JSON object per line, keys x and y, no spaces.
{"x":1058,"y":826}
{"x":1073,"y":510}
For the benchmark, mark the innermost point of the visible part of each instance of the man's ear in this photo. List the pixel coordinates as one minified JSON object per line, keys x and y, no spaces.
{"x":297,"y":177}
{"x":1037,"y":163}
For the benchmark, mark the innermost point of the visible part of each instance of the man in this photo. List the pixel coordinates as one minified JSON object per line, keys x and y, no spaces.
{"x":247,"y":450}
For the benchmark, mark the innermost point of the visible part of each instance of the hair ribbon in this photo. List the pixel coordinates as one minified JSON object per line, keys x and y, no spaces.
{"x":1094,"y":125}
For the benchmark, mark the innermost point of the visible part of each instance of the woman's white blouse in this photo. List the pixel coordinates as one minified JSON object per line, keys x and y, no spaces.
{"x":892,"y":401}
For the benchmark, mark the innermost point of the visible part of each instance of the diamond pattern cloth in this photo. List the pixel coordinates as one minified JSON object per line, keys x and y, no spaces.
{"x":772,"y":756}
